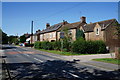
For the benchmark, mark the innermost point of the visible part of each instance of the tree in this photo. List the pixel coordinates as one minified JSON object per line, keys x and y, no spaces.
{"x":4,"y":37}
{"x":67,"y":40}
{"x":22,"y":38}
{"x":13,"y":39}
{"x":79,"y":34}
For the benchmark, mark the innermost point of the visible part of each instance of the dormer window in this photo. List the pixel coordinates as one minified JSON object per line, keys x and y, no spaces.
{"x":97,"y":31}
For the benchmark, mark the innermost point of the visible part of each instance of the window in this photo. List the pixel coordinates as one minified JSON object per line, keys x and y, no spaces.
{"x":54,"y":34}
{"x":70,"y":32}
{"x":97,"y":31}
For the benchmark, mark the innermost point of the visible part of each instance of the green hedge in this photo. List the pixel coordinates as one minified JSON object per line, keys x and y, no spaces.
{"x":88,"y":47}
{"x":37,"y":45}
{"x":48,"y":45}
{"x":78,"y":46}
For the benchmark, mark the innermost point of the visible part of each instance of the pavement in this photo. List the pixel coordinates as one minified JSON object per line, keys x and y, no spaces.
{"x":1,"y":54}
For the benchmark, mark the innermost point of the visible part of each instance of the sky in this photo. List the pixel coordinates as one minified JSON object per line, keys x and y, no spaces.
{"x":17,"y":16}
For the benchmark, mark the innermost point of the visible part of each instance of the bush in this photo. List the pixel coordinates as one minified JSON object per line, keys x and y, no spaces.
{"x":101,"y":47}
{"x":78,"y":46}
{"x":88,"y":47}
{"x":29,"y":45}
{"x":67,"y":44}
{"x":37,"y":45}
{"x":57,"y":45}
{"x":47,"y":45}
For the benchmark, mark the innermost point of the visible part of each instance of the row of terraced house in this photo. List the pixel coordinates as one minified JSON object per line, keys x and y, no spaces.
{"x":102,"y":30}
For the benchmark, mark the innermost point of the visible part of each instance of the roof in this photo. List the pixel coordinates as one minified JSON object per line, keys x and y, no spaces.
{"x":73,"y":25}
{"x":104,"y":24}
{"x":27,"y":35}
{"x":52,"y":28}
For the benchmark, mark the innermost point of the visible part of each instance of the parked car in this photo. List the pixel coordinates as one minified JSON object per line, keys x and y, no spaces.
{"x":21,"y":44}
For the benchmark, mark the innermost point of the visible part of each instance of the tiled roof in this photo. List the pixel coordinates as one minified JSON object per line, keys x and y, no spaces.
{"x":52,"y":28}
{"x":103,"y":24}
{"x":73,"y":25}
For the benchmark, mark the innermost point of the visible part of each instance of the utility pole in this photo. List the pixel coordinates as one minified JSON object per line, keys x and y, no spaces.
{"x":31,"y":32}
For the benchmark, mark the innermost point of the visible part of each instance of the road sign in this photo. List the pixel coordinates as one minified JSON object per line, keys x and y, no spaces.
{"x":61,"y":34}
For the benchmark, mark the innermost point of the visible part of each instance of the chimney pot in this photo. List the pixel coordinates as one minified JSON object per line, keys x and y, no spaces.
{"x":64,"y":22}
{"x":38,"y":30}
{"x":47,"y":25}
{"x":83,"y":19}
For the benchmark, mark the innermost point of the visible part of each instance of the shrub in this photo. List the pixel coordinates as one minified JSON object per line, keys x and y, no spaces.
{"x":79,"y":45}
{"x":29,"y":45}
{"x":67,"y":44}
{"x":37,"y":45}
{"x":47,"y":45}
{"x":88,"y":47}
{"x":101,"y":47}
{"x":57,"y":45}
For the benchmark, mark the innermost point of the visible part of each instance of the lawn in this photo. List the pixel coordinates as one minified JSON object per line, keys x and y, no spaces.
{"x":62,"y":53}
{"x":108,"y":60}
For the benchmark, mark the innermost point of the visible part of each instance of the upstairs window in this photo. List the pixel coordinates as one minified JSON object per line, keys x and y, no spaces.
{"x":97,"y":31}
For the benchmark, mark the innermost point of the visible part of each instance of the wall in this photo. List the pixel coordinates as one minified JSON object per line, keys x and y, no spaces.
{"x":111,"y":39}
{"x":51,"y":36}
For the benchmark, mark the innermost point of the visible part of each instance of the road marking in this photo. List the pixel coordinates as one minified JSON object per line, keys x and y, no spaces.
{"x":72,"y":74}
{"x":38,"y":59}
{"x":27,"y":55}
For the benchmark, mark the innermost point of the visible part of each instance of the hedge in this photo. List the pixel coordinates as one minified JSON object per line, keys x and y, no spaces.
{"x":78,"y":46}
{"x":88,"y":47}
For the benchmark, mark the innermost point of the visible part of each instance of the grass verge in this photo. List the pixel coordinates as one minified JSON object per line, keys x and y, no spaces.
{"x":63,"y":53}
{"x":108,"y":60}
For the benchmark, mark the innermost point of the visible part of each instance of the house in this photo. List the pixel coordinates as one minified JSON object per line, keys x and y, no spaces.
{"x":35,"y":37}
{"x":72,"y":27}
{"x":50,"y":33}
{"x":102,"y":30}
{"x":27,"y":36}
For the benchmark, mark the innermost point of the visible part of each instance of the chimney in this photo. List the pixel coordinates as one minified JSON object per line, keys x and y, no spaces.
{"x":47,"y":25}
{"x":64,"y":22}
{"x":83,"y":19}
{"x":38,"y":30}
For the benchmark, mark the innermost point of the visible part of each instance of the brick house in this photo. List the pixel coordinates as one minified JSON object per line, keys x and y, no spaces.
{"x":102,"y":30}
{"x":50,"y":33}
{"x":72,"y":27}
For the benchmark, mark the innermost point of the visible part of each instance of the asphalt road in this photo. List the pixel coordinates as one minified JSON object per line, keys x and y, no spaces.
{"x":29,"y":64}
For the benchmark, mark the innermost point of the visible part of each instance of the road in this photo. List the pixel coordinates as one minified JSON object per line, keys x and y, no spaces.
{"x":29,"y":64}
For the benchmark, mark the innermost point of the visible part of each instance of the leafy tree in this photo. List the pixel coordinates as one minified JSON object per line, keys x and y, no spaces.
{"x":67,"y":40}
{"x":3,"y":37}
{"x":79,"y":34}
{"x":22,"y":38}
{"x":13,"y":39}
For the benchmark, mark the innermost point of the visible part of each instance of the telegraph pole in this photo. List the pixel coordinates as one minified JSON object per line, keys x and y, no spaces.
{"x":31,"y":32}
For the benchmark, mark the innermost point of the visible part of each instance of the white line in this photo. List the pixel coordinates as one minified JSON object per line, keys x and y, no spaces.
{"x":72,"y":74}
{"x":38,"y":59}
{"x":26,"y":55}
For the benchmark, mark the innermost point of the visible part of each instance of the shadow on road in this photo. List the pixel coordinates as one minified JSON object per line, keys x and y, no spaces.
{"x":57,"y":70}
{"x":8,"y":47}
